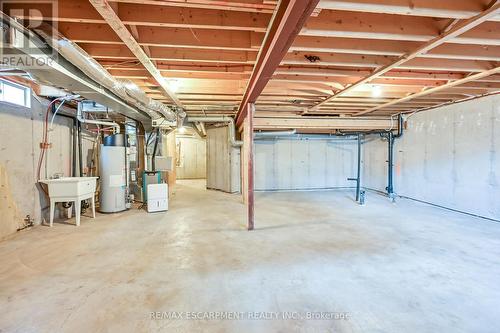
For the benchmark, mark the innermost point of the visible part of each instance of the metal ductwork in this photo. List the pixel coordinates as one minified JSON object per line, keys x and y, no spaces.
{"x":79,"y":73}
{"x":220,"y":119}
{"x":127,"y":90}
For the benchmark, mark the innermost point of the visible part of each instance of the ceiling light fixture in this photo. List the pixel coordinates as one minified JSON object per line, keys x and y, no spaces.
{"x":173,"y":85}
{"x":376,"y":91}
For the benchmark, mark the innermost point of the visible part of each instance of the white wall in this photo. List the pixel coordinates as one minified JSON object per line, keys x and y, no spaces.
{"x":448,"y":156}
{"x":374,"y":172}
{"x":192,"y":158}
{"x":307,"y":163}
{"x":223,"y":161}
{"x":20,"y":137}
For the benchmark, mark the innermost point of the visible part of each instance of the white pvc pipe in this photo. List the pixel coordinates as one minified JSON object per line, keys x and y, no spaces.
{"x":79,"y":116}
{"x":276,"y":133}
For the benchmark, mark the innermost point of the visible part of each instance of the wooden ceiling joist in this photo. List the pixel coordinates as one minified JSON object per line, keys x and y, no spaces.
{"x":417,"y":54}
{"x":315,"y":45}
{"x":135,"y":14}
{"x":392,"y":27}
{"x":265,"y":123}
{"x":455,"y":31}
{"x":429,"y":8}
{"x":433,"y":90}
{"x":288,"y":19}
{"x":206,"y":4}
{"x":103,"y":7}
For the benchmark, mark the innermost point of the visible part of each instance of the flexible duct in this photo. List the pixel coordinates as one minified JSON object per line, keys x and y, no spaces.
{"x":220,"y":119}
{"x":126,"y":90}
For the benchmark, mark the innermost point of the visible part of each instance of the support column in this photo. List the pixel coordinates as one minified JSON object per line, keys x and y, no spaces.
{"x":390,"y":165}
{"x":358,"y":181}
{"x":248,"y":171}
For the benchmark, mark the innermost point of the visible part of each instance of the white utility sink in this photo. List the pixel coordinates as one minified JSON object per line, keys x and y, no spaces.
{"x":73,"y":189}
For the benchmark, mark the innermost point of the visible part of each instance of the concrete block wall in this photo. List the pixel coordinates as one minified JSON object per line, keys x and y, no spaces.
{"x":304,"y":164}
{"x":20,"y":136}
{"x":449,"y":156}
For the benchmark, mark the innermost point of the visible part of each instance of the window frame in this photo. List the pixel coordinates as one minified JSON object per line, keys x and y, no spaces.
{"x":26,"y":90}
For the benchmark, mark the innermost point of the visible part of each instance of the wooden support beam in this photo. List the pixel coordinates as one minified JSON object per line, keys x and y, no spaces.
{"x":103,"y":7}
{"x":356,"y":65}
{"x":344,"y":24}
{"x":321,"y":76}
{"x":285,"y":25}
{"x":321,"y":123}
{"x":248,"y":147}
{"x":433,"y":90}
{"x":220,"y":58}
{"x":357,"y":73}
{"x":417,"y":70}
{"x":211,"y":48}
{"x":357,"y":62}
{"x":455,"y":31}
{"x":155,"y":37}
{"x":314,"y":45}
{"x":429,"y":8}
{"x":207,"y":4}
{"x":148,"y":16}
{"x":385,"y":37}
{"x":344,"y":76}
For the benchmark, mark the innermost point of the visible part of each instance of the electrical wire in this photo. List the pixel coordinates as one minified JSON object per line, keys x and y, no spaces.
{"x":54,"y":115}
{"x":49,"y":130}
{"x":44,"y":143}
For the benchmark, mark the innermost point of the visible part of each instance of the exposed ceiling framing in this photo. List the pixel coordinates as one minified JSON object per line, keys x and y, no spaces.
{"x":456,"y":30}
{"x":109,"y":15}
{"x":352,"y":57}
{"x":285,"y":25}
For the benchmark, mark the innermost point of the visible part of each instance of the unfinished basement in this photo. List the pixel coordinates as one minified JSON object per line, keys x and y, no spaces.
{"x":250,"y":166}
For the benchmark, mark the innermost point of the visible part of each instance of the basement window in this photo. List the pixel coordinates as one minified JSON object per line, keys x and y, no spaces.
{"x":15,"y":93}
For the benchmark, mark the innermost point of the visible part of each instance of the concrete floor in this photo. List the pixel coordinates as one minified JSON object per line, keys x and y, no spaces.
{"x":403,"y":267}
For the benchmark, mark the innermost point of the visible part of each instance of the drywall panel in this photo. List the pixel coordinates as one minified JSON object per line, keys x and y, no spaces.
{"x":20,"y":137}
{"x":448,"y":157}
{"x":300,"y":163}
{"x":192,"y":158}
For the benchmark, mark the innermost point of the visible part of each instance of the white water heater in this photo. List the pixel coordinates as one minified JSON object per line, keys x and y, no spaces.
{"x":114,"y":173}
